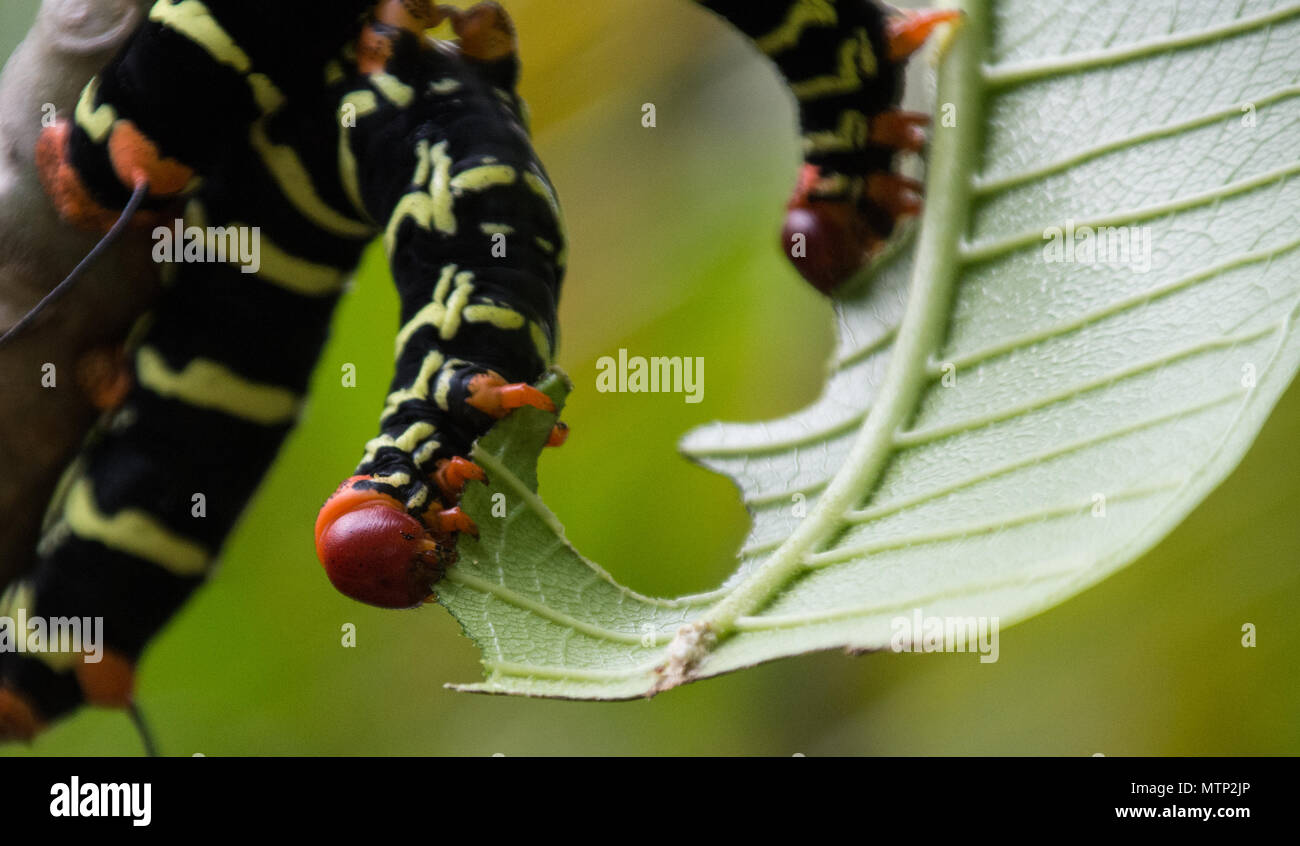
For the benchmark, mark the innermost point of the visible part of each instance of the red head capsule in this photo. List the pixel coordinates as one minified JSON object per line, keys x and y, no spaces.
{"x":827,"y":240}
{"x":373,"y":551}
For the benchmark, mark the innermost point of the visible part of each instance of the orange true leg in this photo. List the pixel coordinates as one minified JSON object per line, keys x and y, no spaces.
{"x":448,"y":520}
{"x":908,"y":30}
{"x":559,"y":434}
{"x":899,"y":129}
{"x":490,"y":394}
{"x":896,"y":194}
{"x":453,"y":473}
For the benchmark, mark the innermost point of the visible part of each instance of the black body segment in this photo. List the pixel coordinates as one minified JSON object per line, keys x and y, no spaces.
{"x":320,"y":125}
{"x":222,"y":364}
{"x":475,"y":243}
{"x":834,"y":55}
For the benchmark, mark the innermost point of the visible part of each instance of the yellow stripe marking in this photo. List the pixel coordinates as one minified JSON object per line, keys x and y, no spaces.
{"x":265,"y":94}
{"x":418,"y":390}
{"x":97,"y":122}
{"x":363,"y":103}
{"x":397,"y":480}
{"x":482,"y":178}
{"x":852,"y":133}
{"x":443,"y":387}
{"x":208,"y":384}
{"x":423,"y":164}
{"x":496,"y":315}
{"x":134,"y":533}
{"x":544,"y":191}
{"x":397,"y":92}
{"x":295,"y":183}
{"x":439,"y":190}
{"x":193,"y":20}
{"x":297,"y":274}
{"x":416,"y":500}
{"x":406,"y":441}
{"x":803,"y":14}
{"x":432,"y":208}
{"x":540,"y":342}
{"x":277,"y":267}
{"x":443,"y":312}
{"x":855,"y":55}
{"x":425,"y":453}
{"x":18,"y":595}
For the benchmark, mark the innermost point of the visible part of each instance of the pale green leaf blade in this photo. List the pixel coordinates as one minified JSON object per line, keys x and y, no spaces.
{"x":999,"y":430}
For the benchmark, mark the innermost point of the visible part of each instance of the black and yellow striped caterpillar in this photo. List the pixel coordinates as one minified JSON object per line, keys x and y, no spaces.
{"x":367,"y":127}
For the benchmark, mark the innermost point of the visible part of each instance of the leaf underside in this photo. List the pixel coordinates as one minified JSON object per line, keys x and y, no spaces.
{"x":1088,"y":407}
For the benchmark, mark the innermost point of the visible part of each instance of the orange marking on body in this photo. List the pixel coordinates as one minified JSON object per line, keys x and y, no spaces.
{"x":104,"y":375}
{"x":18,"y":719}
{"x":559,"y":434}
{"x":109,"y":682}
{"x":349,"y":498}
{"x":63,"y":184}
{"x":136,"y":158}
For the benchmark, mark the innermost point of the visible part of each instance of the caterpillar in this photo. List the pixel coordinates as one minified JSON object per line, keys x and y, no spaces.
{"x":843,"y":61}
{"x":367,"y":128}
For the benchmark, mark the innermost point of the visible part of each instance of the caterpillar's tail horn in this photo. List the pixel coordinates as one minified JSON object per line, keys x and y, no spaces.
{"x":908,"y":30}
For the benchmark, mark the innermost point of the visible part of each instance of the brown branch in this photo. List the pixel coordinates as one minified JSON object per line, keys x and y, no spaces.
{"x":41,"y":427}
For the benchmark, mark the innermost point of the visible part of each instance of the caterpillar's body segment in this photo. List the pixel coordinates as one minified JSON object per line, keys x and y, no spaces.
{"x":349,"y":128}
{"x":182,"y":94}
{"x":467,"y":193}
{"x":221,"y":369}
{"x":843,"y":60}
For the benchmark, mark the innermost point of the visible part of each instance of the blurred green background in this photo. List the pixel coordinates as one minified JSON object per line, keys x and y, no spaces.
{"x":673,"y":234}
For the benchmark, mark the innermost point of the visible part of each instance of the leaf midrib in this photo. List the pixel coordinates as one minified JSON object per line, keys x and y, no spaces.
{"x":920,"y":333}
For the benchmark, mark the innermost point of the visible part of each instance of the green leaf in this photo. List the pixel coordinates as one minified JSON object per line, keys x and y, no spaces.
{"x":999,"y":431}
